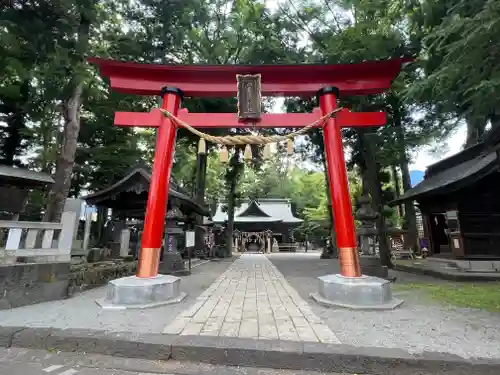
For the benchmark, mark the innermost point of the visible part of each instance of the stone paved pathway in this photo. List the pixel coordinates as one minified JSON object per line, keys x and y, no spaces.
{"x":252,"y":299}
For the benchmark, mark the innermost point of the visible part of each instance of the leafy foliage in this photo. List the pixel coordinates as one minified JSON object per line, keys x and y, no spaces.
{"x":455,"y":79}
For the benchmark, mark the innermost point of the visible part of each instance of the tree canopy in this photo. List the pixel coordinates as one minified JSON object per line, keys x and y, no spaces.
{"x":56,"y":112}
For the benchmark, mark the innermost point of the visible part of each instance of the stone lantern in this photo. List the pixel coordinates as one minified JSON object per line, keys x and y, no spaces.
{"x":367,"y":233}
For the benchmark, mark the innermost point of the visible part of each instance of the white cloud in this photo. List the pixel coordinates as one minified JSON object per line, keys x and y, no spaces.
{"x":424,"y":156}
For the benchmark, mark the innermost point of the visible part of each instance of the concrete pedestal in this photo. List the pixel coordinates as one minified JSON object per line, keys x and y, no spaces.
{"x":137,"y":293}
{"x":357,"y":293}
{"x":173,"y":264}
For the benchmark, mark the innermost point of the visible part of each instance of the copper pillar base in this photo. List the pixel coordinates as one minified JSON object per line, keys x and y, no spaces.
{"x":349,"y":262}
{"x":149,"y":260}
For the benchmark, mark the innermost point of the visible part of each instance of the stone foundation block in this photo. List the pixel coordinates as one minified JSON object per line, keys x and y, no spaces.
{"x":133,"y":292}
{"x":357,"y":293}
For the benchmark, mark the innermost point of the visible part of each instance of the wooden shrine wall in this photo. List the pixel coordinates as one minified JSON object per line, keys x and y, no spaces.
{"x":478,"y":207}
{"x":479,"y":217}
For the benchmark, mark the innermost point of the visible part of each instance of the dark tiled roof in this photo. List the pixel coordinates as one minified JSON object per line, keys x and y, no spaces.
{"x":453,"y":178}
{"x":24,"y":176}
{"x":270,"y":209}
{"x":119,"y":186}
{"x":459,"y":170}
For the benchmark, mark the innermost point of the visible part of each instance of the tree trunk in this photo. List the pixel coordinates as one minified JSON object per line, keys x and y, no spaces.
{"x":365,"y":182}
{"x":66,"y":156}
{"x":475,"y":129}
{"x":71,"y":114}
{"x":200,"y":184}
{"x":397,"y":188}
{"x":376,"y":195}
{"x":230,"y":216}
{"x":232,"y":177}
{"x":410,"y":220}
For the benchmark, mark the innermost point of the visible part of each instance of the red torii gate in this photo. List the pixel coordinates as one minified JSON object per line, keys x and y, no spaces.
{"x":172,"y":82}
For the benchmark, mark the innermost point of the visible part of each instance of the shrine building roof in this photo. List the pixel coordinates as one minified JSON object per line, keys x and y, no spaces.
{"x":365,"y":78}
{"x":130,"y":194}
{"x":268,"y":210}
{"x":458,"y":171}
{"x":23,"y":177}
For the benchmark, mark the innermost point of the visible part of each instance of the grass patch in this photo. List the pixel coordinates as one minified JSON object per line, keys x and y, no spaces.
{"x":484,"y":296}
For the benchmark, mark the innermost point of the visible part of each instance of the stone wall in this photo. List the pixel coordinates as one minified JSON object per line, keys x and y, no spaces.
{"x":92,"y":275}
{"x":27,"y":284}
{"x":31,"y":283}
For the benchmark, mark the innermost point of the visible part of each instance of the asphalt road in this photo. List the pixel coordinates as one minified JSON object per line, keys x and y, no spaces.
{"x":16,"y":361}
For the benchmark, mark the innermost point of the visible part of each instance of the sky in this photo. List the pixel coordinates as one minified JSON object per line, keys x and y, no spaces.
{"x":424,"y":157}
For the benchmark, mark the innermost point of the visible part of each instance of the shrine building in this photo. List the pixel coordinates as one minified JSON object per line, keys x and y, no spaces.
{"x":459,"y":202}
{"x":258,"y":219}
{"x":127,"y":198}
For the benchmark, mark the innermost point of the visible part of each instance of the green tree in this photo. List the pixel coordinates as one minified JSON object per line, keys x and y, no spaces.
{"x":461,"y":77}
{"x":367,"y":30}
{"x":68,"y":70}
{"x":24,"y":46}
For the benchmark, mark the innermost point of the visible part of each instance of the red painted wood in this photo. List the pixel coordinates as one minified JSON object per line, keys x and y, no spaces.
{"x":345,"y":118}
{"x":152,"y":237}
{"x":277,"y":80}
{"x":151,"y":119}
{"x":339,"y":192}
{"x":228,"y":89}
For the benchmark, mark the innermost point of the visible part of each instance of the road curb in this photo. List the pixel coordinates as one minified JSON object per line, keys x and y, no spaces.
{"x":246,"y":352}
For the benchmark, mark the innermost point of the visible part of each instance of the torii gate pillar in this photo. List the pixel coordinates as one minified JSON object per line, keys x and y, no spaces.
{"x":339,"y":187}
{"x":156,"y":209}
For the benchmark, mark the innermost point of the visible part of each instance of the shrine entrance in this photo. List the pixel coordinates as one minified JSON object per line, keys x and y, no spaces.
{"x":248,"y":83}
{"x":254,"y":242}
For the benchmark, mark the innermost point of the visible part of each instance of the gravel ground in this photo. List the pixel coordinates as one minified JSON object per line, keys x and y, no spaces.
{"x":82,"y":312}
{"x":417,"y":326}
